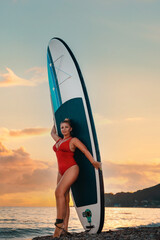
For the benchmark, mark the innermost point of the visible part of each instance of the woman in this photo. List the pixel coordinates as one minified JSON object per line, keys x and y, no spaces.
{"x":68,"y":171}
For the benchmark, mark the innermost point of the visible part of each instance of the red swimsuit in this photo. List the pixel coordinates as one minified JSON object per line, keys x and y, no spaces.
{"x":64,"y":156}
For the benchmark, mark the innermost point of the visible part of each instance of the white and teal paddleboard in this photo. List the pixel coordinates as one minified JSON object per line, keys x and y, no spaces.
{"x":70,"y":100}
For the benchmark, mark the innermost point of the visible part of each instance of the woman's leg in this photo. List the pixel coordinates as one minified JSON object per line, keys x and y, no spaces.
{"x":67,"y":213}
{"x":63,"y":187}
{"x":67,"y":210}
{"x":56,"y":232}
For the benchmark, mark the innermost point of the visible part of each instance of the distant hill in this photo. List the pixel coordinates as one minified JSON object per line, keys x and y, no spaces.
{"x":148,"y":197}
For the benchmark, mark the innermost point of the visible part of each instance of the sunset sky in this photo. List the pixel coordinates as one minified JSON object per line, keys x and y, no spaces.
{"x":117,"y":45}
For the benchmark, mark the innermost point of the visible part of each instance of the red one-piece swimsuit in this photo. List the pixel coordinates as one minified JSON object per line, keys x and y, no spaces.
{"x":65,"y":156}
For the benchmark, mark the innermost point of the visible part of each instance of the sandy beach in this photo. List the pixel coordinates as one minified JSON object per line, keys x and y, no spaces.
{"x":141,"y":233}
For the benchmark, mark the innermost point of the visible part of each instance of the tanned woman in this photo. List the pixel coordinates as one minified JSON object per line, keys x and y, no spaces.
{"x":68,"y":171}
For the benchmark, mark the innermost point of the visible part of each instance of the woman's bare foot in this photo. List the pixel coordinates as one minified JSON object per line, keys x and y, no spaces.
{"x":58,"y":230}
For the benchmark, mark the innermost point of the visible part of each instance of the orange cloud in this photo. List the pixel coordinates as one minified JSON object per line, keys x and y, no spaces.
{"x":29,"y":199}
{"x":26,"y":132}
{"x":129,"y":177}
{"x":134,"y":119}
{"x":102,"y":120}
{"x":27,"y":182}
{"x":19,"y":173}
{"x":11,"y":79}
{"x":34,"y":76}
{"x":37,"y":74}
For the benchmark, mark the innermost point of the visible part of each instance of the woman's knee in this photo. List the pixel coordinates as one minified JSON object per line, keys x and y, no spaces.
{"x":59,"y":193}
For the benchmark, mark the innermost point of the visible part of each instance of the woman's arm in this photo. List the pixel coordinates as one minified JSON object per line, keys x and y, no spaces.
{"x":54,"y":134}
{"x":77,"y":143}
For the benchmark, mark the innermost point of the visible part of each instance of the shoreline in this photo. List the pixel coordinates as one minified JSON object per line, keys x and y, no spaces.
{"x":139,"y":233}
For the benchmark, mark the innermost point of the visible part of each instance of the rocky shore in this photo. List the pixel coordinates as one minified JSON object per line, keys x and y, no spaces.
{"x":141,"y":233}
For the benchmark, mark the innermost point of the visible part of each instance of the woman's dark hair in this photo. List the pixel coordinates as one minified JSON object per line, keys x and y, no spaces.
{"x":67,"y":120}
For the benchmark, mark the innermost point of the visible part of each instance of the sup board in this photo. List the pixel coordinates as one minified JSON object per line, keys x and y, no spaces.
{"x":69,"y":99}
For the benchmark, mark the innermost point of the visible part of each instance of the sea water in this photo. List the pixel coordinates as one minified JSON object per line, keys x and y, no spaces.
{"x":20,"y":223}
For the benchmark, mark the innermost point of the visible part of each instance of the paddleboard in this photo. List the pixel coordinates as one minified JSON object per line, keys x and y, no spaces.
{"x":69,"y":99}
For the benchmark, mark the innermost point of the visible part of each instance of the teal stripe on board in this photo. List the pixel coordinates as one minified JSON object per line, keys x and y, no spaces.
{"x":53,"y":83}
{"x":54,"y":101}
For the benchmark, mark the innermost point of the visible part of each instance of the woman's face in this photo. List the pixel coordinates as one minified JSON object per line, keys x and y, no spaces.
{"x":66,"y":129}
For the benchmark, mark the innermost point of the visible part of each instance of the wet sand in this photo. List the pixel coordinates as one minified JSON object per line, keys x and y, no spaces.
{"x":141,"y":233}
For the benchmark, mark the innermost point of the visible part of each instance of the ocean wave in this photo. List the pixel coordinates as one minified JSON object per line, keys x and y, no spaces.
{"x":8,"y":220}
{"x":23,"y":232}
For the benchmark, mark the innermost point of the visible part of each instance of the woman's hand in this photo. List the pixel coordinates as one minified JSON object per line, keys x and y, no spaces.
{"x":54,"y":134}
{"x":97,"y":165}
{"x":53,"y":131}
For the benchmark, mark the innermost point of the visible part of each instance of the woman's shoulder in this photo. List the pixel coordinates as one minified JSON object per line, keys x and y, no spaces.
{"x":75,"y":140}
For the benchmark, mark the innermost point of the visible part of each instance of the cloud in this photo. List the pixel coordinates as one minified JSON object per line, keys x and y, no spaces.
{"x":134,"y":119}
{"x":26,"y":132}
{"x":130,"y":177}
{"x":102,"y":120}
{"x":11,"y":79}
{"x":37,"y":74}
{"x":34,"y":76}
{"x":29,"y":199}
{"x":19,"y":173}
